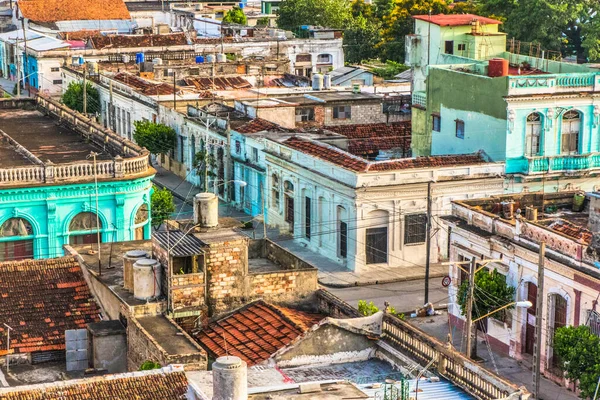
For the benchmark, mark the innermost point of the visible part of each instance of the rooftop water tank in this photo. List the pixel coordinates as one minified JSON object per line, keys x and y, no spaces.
{"x":139,"y":58}
{"x":125,"y":58}
{"x":206,"y":210}
{"x":146,"y":279}
{"x":210,"y":58}
{"x":199,"y":59}
{"x":317,"y":82}
{"x":221,"y":58}
{"x":230,"y":379}
{"x":497,"y":67}
{"x":128,"y":260}
{"x":327,"y":81}
{"x":157,"y":61}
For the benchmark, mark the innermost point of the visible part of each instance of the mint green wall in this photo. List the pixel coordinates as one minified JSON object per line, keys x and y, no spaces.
{"x":476,"y":99}
{"x":50,"y":209}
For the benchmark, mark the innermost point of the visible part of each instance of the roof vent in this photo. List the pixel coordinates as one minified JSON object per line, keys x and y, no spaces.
{"x":382,"y":156}
{"x":310,"y":387}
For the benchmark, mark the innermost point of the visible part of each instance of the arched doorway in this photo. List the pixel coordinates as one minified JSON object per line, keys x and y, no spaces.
{"x":83,"y":229}
{"x":16,"y":240}
{"x":140,"y":222}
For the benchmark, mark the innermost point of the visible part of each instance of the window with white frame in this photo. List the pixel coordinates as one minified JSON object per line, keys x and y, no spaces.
{"x":305,"y":114}
{"x":532,"y":134}
{"x":275,"y":191}
{"x":569,"y":138}
{"x":342,"y":112}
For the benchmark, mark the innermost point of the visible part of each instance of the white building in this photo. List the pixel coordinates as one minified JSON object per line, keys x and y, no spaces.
{"x":368,"y":214}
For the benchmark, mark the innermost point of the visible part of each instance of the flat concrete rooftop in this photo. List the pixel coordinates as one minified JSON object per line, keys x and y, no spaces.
{"x":44,"y":138}
{"x":167,"y":335}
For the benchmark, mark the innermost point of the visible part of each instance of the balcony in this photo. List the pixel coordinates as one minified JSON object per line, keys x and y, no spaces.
{"x":553,"y":164}
{"x":553,"y":83}
{"x":419,"y":99}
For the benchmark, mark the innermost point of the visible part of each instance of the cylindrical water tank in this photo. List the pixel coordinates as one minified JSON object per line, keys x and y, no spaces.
{"x":139,"y":58}
{"x":327,"y":81}
{"x":210,"y":58}
{"x":242,"y":5}
{"x":128,"y":260}
{"x":157,"y":61}
{"x":497,"y":67}
{"x":206,"y":210}
{"x":221,"y":58}
{"x":230,"y":379}
{"x":146,"y":279}
{"x":125,"y":58}
{"x":199,"y":59}
{"x":317,"y":82}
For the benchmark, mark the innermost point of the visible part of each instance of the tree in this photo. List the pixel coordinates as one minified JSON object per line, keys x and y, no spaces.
{"x":236,"y":16}
{"x":156,"y":138}
{"x":148,"y":365}
{"x":73,"y":97}
{"x":578,"y":350}
{"x":491,"y":292}
{"x":334,"y":14}
{"x":161,"y":206}
{"x":360,"y":40}
{"x":263,"y":21}
{"x":205,"y":164}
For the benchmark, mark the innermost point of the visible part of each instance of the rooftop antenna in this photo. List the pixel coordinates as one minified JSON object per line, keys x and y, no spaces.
{"x":225,"y":342}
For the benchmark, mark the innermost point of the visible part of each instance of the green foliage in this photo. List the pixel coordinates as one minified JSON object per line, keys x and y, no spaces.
{"x":236,"y":16}
{"x":578,"y":349}
{"x":157,"y":138}
{"x":360,"y":40}
{"x":263,"y":21}
{"x":73,"y":97}
{"x":162,"y":205}
{"x":367,"y":309}
{"x":327,"y":13}
{"x":148,"y":365}
{"x":491,"y":292}
{"x":390,"y":70}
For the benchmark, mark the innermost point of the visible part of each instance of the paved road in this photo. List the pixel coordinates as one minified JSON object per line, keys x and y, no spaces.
{"x":403,"y":296}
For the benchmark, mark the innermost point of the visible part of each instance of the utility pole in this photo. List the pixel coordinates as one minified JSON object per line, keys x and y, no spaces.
{"x":428,"y":242}
{"x":84,"y":91}
{"x":174,"y":91}
{"x":469,"y":324}
{"x":539,"y":304}
{"x":25,"y":72}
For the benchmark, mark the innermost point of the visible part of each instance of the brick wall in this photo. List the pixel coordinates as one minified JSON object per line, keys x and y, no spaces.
{"x":226,"y":266}
{"x":282,"y":286}
{"x":187,"y":291}
{"x":143,"y":347}
{"x":361,"y":114}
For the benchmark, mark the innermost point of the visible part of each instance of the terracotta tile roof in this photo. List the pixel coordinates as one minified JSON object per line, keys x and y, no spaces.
{"x":149,"y":385}
{"x":40,"y":299}
{"x":144,"y":86}
{"x":567,"y":228}
{"x":256,"y":331}
{"x":456,"y":19}
{"x":368,"y":139}
{"x":235,"y":82}
{"x":349,"y":161}
{"x":122,"y":41}
{"x":67,"y":10}
{"x":257,"y":125}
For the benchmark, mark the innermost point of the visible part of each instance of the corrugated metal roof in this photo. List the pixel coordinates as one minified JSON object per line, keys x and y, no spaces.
{"x":121,"y":26}
{"x":45,"y":43}
{"x":428,"y":390}
{"x":179,"y":244}
{"x":12,"y":36}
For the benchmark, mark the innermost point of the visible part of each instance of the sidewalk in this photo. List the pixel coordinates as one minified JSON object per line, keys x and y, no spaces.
{"x":507,"y":367}
{"x":331,"y":274}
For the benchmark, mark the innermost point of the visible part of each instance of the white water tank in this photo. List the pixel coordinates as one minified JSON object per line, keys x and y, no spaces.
{"x":128,"y":260}
{"x":327,"y":81}
{"x":317,"y":82}
{"x":146,"y":279}
{"x":230,"y":379}
{"x":157,"y":61}
{"x":221,"y":58}
{"x":125,"y":58}
{"x":210,"y":58}
{"x":206,"y":210}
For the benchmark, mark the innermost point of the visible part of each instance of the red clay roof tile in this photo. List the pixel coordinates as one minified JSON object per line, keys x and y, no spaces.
{"x":368,"y":139}
{"x":39,"y":295}
{"x":67,"y":10}
{"x":257,"y":125}
{"x":255,"y":331}
{"x":355,"y":163}
{"x":152,"y":385}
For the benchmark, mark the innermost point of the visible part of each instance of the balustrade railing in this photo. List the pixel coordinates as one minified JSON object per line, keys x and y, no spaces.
{"x":539,"y":165}
{"x":461,"y":371}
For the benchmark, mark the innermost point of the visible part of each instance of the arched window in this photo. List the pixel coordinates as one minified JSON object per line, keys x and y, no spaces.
{"x":141,"y":219}
{"x":288,"y":188}
{"x":16,"y":240}
{"x":532,"y":134}
{"x":84,"y":229}
{"x":275,"y":191}
{"x":569,"y":138}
